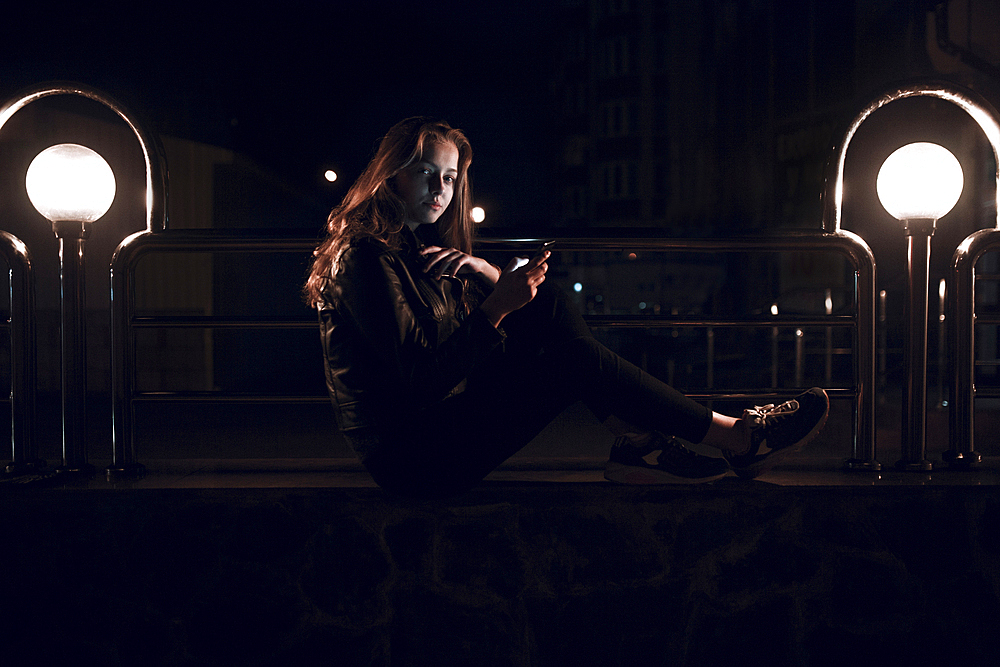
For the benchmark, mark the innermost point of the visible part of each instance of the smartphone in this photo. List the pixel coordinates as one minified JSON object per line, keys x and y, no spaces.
{"x":521,"y":261}
{"x":547,"y":246}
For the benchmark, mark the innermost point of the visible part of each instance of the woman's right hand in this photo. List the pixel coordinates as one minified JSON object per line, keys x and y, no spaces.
{"x":516,"y":287}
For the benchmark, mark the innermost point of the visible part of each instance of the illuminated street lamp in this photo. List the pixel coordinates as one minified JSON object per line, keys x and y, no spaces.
{"x":72,"y":186}
{"x":918,"y":184}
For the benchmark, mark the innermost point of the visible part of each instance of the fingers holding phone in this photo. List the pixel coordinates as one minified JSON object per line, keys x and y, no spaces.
{"x":540,"y":255}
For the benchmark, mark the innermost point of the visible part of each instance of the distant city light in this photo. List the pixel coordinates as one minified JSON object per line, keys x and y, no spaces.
{"x":642,"y":305}
{"x":577,"y":287}
{"x":478,"y":214}
{"x":774,"y":309}
{"x":330,"y":175}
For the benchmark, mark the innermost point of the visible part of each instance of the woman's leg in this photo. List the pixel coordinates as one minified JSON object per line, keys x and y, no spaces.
{"x":453,"y":445}
{"x":551,"y":331}
{"x":550,"y":361}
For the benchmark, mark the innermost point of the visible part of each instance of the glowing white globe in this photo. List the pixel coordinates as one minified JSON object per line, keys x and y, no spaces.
{"x":70,"y":182}
{"x":920,"y":180}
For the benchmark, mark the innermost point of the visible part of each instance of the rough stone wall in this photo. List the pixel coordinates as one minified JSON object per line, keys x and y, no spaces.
{"x":510,"y":574}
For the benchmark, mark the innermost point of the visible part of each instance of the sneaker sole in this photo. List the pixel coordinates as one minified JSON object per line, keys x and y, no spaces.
{"x":773,"y":459}
{"x":625,"y":474}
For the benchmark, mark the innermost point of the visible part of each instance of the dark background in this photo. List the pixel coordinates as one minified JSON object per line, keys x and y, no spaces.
{"x":306,"y":86}
{"x":745,"y":99}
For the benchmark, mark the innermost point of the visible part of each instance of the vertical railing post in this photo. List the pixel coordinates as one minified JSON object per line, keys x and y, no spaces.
{"x":942,"y":356}
{"x":23,"y":356}
{"x":800,"y":357}
{"x":124,"y":460}
{"x":961,"y":318}
{"x":828,"y":309}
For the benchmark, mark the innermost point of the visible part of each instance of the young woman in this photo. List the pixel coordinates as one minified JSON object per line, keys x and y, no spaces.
{"x":441,"y":365}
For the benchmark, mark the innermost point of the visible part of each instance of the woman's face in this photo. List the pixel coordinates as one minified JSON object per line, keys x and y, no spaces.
{"x":428,"y":184}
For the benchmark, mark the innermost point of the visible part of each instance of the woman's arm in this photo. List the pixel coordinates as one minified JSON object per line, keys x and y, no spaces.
{"x":408,"y":362}
{"x":450,"y":262}
{"x":513,"y":287}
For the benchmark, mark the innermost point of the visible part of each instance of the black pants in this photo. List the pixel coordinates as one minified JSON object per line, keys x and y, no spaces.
{"x":549,"y":361}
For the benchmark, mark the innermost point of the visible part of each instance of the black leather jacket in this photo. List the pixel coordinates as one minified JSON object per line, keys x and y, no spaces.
{"x":395,"y":340}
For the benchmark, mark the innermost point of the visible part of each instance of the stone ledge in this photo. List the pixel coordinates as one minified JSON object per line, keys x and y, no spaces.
{"x":511,"y":573}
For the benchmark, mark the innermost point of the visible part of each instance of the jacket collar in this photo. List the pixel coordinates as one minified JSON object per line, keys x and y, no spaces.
{"x":412,"y":241}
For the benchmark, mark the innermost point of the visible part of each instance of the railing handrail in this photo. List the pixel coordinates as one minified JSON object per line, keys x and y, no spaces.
{"x":124,"y":319}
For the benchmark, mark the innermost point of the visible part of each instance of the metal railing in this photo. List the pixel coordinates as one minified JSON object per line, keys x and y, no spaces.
{"x":23,"y":355}
{"x":74,"y":374}
{"x":862,"y":319}
{"x":962,"y":321}
{"x":962,"y":293}
{"x":125,"y":320}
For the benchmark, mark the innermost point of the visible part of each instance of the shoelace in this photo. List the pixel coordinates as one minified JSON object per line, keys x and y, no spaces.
{"x":762,"y":414}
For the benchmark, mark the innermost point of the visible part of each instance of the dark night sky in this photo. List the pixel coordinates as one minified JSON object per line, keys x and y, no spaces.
{"x":303,"y":86}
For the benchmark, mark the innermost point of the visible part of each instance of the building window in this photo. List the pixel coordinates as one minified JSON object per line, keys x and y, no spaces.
{"x":617,"y":180}
{"x":575,"y":99}
{"x":619,"y":119}
{"x":664,"y":60}
{"x":614,"y":57}
{"x":575,"y":202}
{"x":574,"y":46}
{"x":613,"y":7}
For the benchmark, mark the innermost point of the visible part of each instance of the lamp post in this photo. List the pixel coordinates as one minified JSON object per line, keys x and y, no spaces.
{"x":918,"y":184}
{"x":72,"y":186}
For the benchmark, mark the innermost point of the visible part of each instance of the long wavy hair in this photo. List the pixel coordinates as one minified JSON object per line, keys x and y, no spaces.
{"x":373,"y":207}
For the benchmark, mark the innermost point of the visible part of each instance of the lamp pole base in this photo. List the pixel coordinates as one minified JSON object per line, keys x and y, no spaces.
{"x":128,"y":471}
{"x":962,"y":460}
{"x":76,"y":469}
{"x":914,"y":466}
{"x":860,"y":465}
{"x":16,"y":468}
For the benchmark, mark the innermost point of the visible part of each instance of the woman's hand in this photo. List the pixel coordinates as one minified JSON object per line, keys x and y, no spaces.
{"x":450,"y":262}
{"x":516,"y":287}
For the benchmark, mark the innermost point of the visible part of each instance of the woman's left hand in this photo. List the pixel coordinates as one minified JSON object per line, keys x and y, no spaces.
{"x":450,"y":262}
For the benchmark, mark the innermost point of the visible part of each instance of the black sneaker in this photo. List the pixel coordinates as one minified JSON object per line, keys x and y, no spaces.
{"x":776,"y":431}
{"x":662,"y":460}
